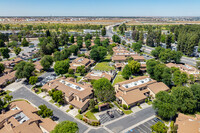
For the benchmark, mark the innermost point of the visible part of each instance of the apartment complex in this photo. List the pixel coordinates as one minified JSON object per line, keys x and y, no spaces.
{"x":121,"y":55}
{"x":131,"y":92}
{"x":38,"y":66}
{"x":74,"y":93}
{"x":81,"y":61}
{"x":188,"y":124}
{"x":185,"y":68}
{"x":10,"y":77}
{"x":22,"y":118}
{"x":11,"y":63}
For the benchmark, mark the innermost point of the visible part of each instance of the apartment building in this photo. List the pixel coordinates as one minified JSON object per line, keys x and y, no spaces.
{"x":185,"y":68}
{"x":22,"y":118}
{"x":187,"y":124}
{"x":74,"y":93}
{"x":11,"y":63}
{"x":121,"y":55}
{"x":38,"y":66}
{"x":133,"y":91}
{"x":81,"y":61}
{"x":9,"y":77}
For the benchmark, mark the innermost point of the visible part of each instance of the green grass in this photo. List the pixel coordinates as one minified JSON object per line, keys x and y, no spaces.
{"x":39,"y":91}
{"x":77,"y":74}
{"x":118,"y":78}
{"x":58,"y":105}
{"x":103,"y":66}
{"x":90,"y":115}
{"x":149,"y":102}
{"x":68,"y":110}
{"x":43,"y":96}
{"x":51,"y":101}
{"x":79,"y":116}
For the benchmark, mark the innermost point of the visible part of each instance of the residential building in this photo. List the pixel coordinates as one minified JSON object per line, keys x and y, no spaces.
{"x":133,"y":91}
{"x":38,"y":66}
{"x":11,"y":63}
{"x":188,"y":124}
{"x":10,"y":77}
{"x":95,"y":75}
{"x":22,"y":118}
{"x":185,"y":68}
{"x":81,"y":61}
{"x":74,"y":93}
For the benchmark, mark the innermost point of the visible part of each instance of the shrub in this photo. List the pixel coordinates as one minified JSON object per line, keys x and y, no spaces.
{"x":146,"y":100}
{"x":70,"y":71}
{"x":129,"y":107}
{"x":71,"y":107}
{"x":79,"y":111}
{"x":96,"y":107}
{"x":124,"y":106}
{"x":138,"y":104}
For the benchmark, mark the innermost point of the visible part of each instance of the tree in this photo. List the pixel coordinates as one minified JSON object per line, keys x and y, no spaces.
{"x":116,"y":39}
{"x":134,"y":66}
{"x":97,"y":41}
{"x":57,"y":56}
{"x":88,"y":37}
{"x":179,"y":78}
{"x":104,"y":90}
{"x":12,"y":44}
{"x":66,"y":127}
{"x":185,"y":99}
{"x":17,"y":50}
{"x":126,"y":73}
{"x":195,"y":88}
{"x":151,"y":66}
{"x":103,"y":31}
{"x":20,"y":38}
{"x":136,"y":47}
{"x":24,"y":70}
{"x":46,"y":62}
{"x":2,"y":44}
{"x":167,"y":76}
{"x":61,"y":67}
{"x":98,"y":53}
{"x":44,"y":111}
{"x":8,"y":98}
{"x":71,"y":39}
{"x":81,"y":70}
{"x":168,"y":40}
{"x":5,"y":52}
{"x":159,"y":127}
{"x":24,"y":43}
{"x":57,"y":96}
{"x":165,"y":105}
{"x":191,"y":79}
{"x":150,"y":41}
{"x":33,"y":80}
{"x":48,"y":33}
{"x":88,"y":43}
{"x":80,"y":44}
{"x":73,"y":49}
{"x":2,"y":68}
{"x":92,"y":104}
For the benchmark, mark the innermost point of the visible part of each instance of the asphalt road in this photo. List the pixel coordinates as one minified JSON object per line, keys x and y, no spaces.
{"x":131,"y":120}
{"x":37,"y":101}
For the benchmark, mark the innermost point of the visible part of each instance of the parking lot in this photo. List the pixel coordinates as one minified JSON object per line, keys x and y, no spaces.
{"x":106,"y":118}
{"x":145,"y":127}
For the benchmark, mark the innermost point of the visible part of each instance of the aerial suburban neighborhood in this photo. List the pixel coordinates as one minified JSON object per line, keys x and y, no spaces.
{"x":99,"y":72}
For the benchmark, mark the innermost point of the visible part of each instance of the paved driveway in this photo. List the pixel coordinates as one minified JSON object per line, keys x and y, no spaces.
{"x":36,"y":100}
{"x":131,"y":120}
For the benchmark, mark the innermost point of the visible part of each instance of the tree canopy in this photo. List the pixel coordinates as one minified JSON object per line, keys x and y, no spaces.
{"x":66,"y":127}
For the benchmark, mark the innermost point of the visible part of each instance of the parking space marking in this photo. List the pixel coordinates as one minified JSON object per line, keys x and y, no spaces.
{"x":141,"y":129}
{"x":147,"y":127}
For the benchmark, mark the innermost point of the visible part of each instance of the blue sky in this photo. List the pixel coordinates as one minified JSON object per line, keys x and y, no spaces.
{"x":100,"y":7}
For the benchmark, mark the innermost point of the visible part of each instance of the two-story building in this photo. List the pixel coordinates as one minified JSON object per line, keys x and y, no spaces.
{"x":133,"y":91}
{"x":74,"y":93}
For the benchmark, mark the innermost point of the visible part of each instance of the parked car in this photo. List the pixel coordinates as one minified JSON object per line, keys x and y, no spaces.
{"x":18,"y":80}
{"x":120,"y":111}
{"x":110,"y":114}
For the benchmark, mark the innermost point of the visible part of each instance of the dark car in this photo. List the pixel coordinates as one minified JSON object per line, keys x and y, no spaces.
{"x":110,"y":114}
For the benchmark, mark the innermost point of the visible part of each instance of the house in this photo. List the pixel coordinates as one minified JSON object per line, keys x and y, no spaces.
{"x":81,"y":61}
{"x":95,"y":75}
{"x":38,"y":66}
{"x":74,"y":93}
{"x":187,"y":124}
{"x":22,"y":118}
{"x":10,"y":77}
{"x":185,"y":68}
{"x":133,"y":91}
{"x":11,"y":63}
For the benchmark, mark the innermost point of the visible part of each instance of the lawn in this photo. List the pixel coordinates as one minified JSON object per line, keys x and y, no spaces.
{"x":103,"y":66}
{"x":118,"y":78}
{"x":79,"y":116}
{"x":78,"y":78}
{"x":90,"y":115}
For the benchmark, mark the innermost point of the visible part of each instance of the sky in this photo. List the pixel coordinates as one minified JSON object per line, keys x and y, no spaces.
{"x":99,"y":7}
